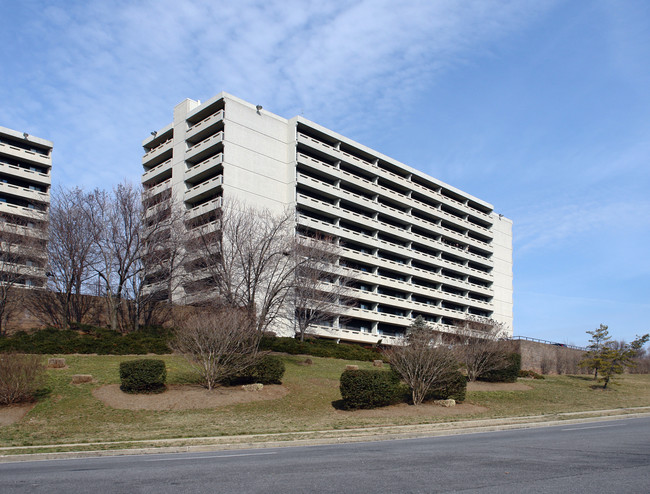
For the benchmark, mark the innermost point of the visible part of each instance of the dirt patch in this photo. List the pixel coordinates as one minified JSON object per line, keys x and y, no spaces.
{"x":484,"y":386}
{"x":13,"y":413}
{"x":423,"y":410}
{"x":185,"y":397}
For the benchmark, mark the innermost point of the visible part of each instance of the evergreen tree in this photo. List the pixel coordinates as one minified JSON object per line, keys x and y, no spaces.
{"x":597,"y":343}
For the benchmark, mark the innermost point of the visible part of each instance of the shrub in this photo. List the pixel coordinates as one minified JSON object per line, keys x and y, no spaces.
{"x":320,"y":348}
{"x":269,"y":370}
{"x":20,"y":377}
{"x":453,"y":386}
{"x":89,"y":339}
{"x":370,"y":388}
{"x":143,"y":376}
{"x":530,"y":373}
{"x":508,"y":374}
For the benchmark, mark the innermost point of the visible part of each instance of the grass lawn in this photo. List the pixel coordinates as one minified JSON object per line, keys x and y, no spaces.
{"x":71,"y":414}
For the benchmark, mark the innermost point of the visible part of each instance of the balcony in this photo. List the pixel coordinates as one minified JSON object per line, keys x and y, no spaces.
{"x":202,"y":149}
{"x":205,"y":125}
{"x":196,"y":172}
{"x":25,"y":193}
{"x":157,"y":171}
{"x":25,"y":155}
{"x":25,"y":174}
{"x":203,"y":189}
{"x":156,"y":154}
{"x":206,"y":207}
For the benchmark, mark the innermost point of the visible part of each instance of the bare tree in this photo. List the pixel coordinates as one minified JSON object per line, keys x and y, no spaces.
{"x":322,"y":288}
{"x":71,"y":256}
{"x":219,"y":343}
{"x":245,"y":260}
{"x":479,"y":347}
{"x":421,"y":360}
{"x":22,"y":257}
{"x":118,"y":244}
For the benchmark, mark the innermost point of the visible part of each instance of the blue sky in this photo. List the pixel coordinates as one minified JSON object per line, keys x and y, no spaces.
{"x":539,"y":107}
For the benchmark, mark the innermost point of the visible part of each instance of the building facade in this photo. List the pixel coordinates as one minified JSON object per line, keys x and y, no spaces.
{"x":25,"y":179}
{"x":414,"y":245}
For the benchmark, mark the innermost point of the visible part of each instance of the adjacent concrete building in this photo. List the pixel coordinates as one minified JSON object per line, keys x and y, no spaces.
{"x":25,"y":165}
{"x":415,"y":245}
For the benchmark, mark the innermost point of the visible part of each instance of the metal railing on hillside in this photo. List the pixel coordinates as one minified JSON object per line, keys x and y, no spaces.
{"x":527,"y":338}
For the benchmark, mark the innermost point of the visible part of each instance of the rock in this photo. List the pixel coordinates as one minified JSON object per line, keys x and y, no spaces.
{"x":351,"y":367}
{"x":81,"y":378}
{"x":445,"y":403}
{"x":378,"y":363}
{"x":252,"y":387}
{"x":56,"y":363}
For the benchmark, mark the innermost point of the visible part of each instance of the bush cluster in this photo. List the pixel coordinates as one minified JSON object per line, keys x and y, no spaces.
{"x":452,"y":387}
{"x":20,"y":377}
{"x":269,"y":370}
{"x":370,"y":388}
{"x":530,"y":373}
{"x":89,"y":339}
{"x":508,"y":374}
{"x":320,"y":348}
{"x":143,"y":376}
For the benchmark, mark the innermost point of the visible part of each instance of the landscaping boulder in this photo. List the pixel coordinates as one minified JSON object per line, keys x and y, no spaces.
{"x":351,"y":367}
{"x":445,"y":403}
{"x":56,"y":363}
{"x":81,"y":378}
{"x":253,"y":387}
{"x":378,"y":363}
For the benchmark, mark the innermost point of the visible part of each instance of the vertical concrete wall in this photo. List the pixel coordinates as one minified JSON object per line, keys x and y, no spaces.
{"x":548,"y":359}
{"x":502,"y":244}
{"x":256,"y":157}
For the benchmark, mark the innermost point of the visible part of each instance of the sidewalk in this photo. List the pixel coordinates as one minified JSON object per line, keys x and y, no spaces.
{"x":307,"y":438}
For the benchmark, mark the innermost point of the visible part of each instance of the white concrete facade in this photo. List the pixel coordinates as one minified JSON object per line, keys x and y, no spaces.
{"x":25,"y":180}
{"x":415,"y":245}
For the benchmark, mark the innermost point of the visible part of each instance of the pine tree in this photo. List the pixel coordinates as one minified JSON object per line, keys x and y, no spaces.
{"x":597,"y":344}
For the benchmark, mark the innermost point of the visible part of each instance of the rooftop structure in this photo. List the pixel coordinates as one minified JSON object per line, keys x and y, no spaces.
{"x":414,"y":245}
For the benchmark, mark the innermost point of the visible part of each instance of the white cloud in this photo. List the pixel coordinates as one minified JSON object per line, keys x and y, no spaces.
{"x":103,"y":72}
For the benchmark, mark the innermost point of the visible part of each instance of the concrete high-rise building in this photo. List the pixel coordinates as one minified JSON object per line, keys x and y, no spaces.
{"x":25,"y":165}
{"x":415,"y":245}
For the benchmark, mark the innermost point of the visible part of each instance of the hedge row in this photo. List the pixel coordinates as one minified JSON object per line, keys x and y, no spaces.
{"x":320,"y":348}
{"x":508,"y":374}
{"x":89,"y":340}
{"x":378,"y":388}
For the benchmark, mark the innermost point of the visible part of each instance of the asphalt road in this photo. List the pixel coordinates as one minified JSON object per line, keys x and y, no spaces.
{"x":596,"y":457}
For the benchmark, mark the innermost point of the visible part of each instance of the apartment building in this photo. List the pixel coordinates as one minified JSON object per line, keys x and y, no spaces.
{"x":414,"y":245}
{"x":25,"y":165}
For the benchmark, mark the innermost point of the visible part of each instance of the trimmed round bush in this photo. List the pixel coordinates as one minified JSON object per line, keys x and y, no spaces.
{"x":370,"y":388}
{"x":143,"y":376}
{"x":508,"y":374}
{"x":269,"y":370}
{"x":452,"y":387}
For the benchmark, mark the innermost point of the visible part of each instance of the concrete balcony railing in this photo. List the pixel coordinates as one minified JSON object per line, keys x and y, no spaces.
{"x":204,"y":208}
{"x":204,"y":188}
{"x":25,"y":174}
{"x":203,"y":167}
{"x":25,"y":193}
{"x":26,"y":155}
{"x":153,"y":173}
{"x":196,"y":150}
{"x":205,"y":124}
{"x":27,"y":213}
{"x":153,"y":153}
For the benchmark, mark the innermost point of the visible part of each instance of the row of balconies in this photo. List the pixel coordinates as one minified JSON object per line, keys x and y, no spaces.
{"x":376,"y":188}
{"x":24,"y":193}
{"x":406,"y":182}
{"x":335,"y":191}
{"x":406,"y":235}
{"x":411,"y":270}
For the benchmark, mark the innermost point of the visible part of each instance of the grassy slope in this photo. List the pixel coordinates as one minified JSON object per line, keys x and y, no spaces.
{"x":71,"y":414}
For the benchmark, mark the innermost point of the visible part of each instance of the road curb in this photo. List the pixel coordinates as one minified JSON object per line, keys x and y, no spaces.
{"x":313,"y":438}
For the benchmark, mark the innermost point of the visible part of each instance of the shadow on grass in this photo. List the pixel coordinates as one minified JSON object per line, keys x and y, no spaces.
{"x":340,"y":405}
{"x":580,"y":378}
